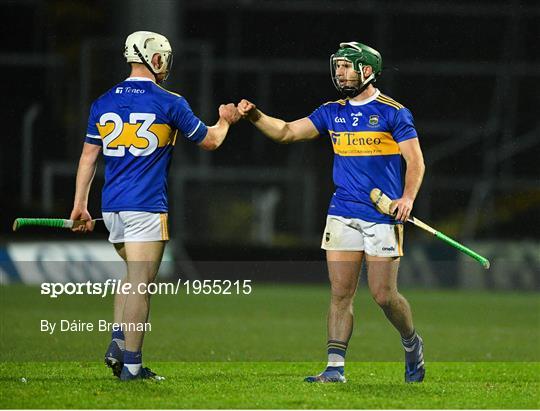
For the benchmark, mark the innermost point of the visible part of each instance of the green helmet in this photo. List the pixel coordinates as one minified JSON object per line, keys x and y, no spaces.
{"x":358,"y":55}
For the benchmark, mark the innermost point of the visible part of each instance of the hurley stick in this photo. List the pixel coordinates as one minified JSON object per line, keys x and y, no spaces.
{"x":383,"y":204}
{"x":50,"y":222}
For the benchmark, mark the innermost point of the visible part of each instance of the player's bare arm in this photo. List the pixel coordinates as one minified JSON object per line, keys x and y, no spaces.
{"x":278,"y":130}
{"x":228,"y":115}
{"x":412,"y":153}
{"x":85,"y":175}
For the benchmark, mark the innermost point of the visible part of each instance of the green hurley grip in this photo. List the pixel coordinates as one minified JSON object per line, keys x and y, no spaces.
{"x":482,"y":260}
{"x":45,"y":222}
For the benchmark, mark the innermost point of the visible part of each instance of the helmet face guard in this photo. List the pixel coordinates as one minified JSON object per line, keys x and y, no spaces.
{"x":141,"y":46}
{"x":359,"y":55}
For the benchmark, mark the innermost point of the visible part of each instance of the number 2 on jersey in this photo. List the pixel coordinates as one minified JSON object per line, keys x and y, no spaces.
{"x":114,"y":148}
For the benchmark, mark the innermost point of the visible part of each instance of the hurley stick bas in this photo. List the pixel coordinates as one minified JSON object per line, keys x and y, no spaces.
{"x":383,"y":204}
{"x":50,"y":222}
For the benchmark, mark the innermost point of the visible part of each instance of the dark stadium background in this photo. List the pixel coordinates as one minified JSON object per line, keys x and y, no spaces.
{"x":468,"y":70}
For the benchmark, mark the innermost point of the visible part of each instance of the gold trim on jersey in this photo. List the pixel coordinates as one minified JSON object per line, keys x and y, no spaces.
{"x":168,"y":91}
{"x":363,"y":143}
{"x":384,"y":96}
{"x":389,"y":101}
{"x":341,"y":102}
{"x":128,"y":138}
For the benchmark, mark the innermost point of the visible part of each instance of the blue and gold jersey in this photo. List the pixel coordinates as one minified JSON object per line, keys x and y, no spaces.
{"x":365,"y":137}
{"x":136,"y":123}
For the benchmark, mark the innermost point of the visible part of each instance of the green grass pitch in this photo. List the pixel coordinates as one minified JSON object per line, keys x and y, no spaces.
{"x":253,"y":351}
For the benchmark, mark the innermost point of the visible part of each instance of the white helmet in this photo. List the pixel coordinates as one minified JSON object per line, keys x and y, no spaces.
{"x":141,"y":47}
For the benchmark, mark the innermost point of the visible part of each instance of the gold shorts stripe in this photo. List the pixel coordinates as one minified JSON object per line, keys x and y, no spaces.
{"x":398,"y":229}
{"x":164,"y":227}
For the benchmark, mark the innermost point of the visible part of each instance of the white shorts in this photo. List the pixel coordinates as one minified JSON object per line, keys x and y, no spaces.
{"x":354,"y":234}
{"x":136,"y":226}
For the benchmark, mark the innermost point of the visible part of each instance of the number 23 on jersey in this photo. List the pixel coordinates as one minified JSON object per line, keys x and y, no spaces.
{"x":140,"y":136}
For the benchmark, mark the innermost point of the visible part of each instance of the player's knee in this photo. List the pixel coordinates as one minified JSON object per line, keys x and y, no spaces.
{"x":342,"y":296}
{"x":383,"y":297}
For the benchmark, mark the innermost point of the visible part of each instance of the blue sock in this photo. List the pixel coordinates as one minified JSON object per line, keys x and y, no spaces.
{"x":410,"y":341}
{"x":118,"y":335}
{"x":336,"y":356}
{"x":410,"y":346}
{"x":133,"y":361}
{"x":119,"y":339}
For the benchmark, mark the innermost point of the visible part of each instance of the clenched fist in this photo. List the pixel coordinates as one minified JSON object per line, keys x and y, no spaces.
{"x":248,"y":110}
{"x":82,"y":214}
{"x":402,"y":208}
{"x":229,"y":113}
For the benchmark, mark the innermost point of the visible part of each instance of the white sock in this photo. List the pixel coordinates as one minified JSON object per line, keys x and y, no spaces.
{"x":335,"y":360}
{"x":133,"y":368}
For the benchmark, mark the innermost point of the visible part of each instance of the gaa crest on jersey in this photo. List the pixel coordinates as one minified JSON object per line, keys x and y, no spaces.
{"x":373,"y":121}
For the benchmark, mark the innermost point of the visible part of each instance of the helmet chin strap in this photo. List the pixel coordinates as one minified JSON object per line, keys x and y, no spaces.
{"x":148,"y":66}
{"x":351,"y":92}
{"x":354,"y":91}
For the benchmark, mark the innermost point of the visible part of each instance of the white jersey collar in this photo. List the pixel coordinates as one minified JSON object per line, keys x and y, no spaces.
{"x":139,"y":79}
{"x":367,"y":100}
